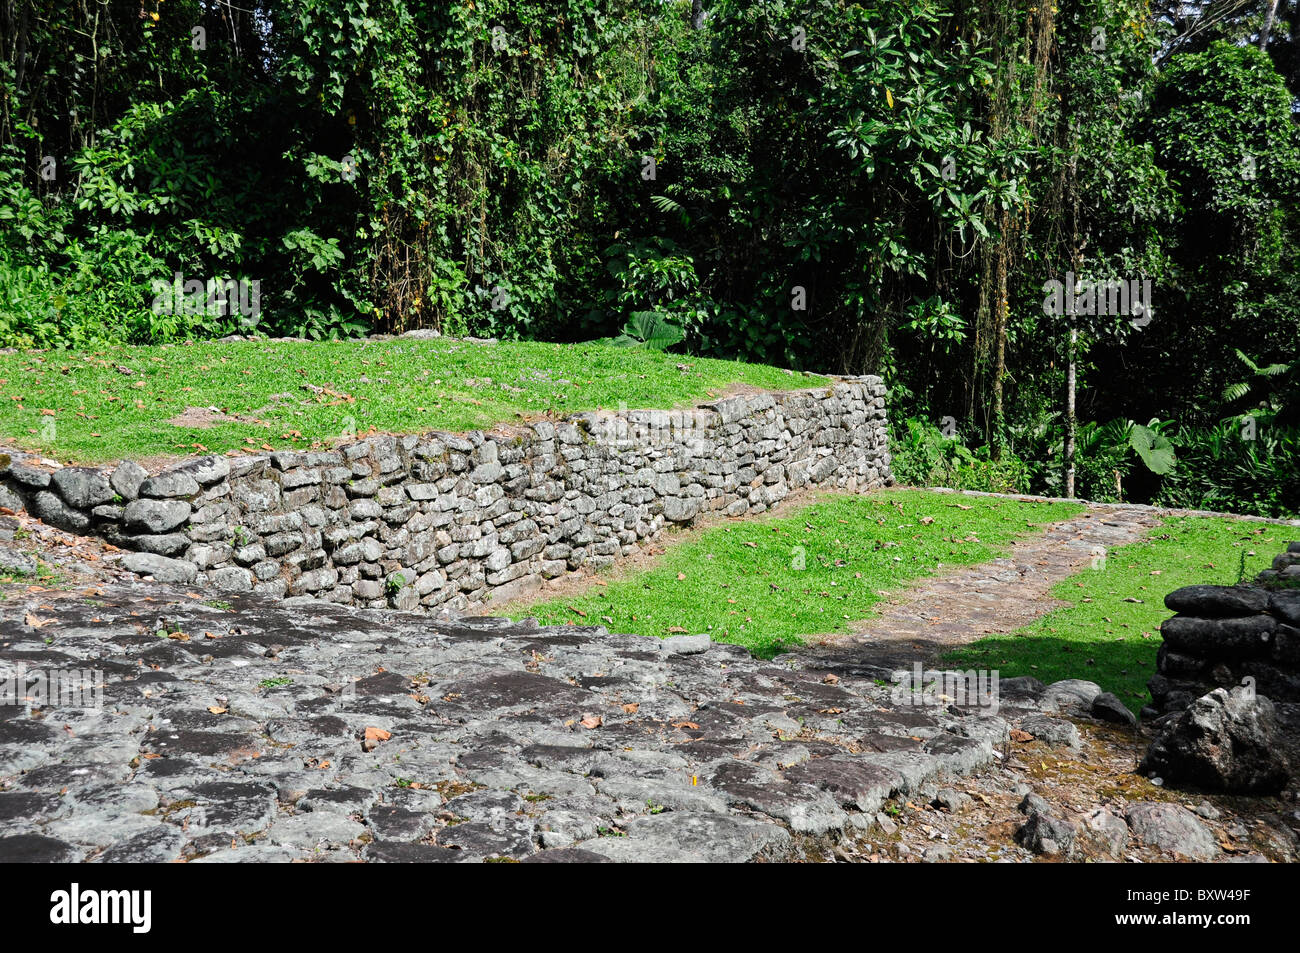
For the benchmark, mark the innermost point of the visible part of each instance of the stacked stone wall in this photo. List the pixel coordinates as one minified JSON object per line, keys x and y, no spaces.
{"x":453,"y":520}
{"x":1227,"y":636}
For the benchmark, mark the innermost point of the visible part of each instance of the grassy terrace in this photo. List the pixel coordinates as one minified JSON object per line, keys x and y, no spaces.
{"x":766,"y":583}
{"x":177,"y":400}
{"x":742,"y":582}
{"x":1110,"y":632}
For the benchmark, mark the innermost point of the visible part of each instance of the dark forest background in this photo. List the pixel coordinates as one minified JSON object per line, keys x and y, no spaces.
{"x":840,"y":187}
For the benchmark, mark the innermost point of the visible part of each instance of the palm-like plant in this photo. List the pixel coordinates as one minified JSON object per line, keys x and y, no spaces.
{"x":1272,"y":387}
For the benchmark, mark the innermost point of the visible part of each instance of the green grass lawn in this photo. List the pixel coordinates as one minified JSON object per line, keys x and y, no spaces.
{"x":1109,"y":635}
{"x":102,"y":405}
{"x":765,"y":583}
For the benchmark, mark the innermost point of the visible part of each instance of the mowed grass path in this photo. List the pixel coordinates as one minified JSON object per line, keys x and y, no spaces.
{"x":105,"y":404}
{"x":1110,"y":632}
{"x":765,"y":584}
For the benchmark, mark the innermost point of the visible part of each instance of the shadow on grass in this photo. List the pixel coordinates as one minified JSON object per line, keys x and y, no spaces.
{"x":1122,"y":666}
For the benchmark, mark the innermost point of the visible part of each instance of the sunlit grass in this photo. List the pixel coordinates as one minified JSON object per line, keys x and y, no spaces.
{"x":765,"y":584}
{"x":1110,"y":633}
{"x":119,"y":402}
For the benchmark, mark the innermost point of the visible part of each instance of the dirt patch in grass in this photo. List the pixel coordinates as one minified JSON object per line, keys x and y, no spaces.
{"x":202,"y":418}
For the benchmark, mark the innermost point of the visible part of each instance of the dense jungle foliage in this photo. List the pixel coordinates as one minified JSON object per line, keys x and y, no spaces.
{"x":842,"y":187}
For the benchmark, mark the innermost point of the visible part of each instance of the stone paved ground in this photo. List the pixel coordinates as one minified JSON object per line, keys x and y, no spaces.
{"x":280,"y":731}
{"x":247,"y":730}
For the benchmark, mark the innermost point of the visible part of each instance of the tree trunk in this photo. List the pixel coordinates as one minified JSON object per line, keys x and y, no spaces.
{"x":1268,"y":25}
{"x":1000,"y":338}
{"x":1071,"y":424}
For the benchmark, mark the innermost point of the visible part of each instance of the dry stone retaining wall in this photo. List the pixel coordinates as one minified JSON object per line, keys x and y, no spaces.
{"x":448,"y":520}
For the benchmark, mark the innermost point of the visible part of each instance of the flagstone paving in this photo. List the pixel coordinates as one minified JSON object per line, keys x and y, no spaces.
{"x":233,"y":728}
{"x":255,"y":730}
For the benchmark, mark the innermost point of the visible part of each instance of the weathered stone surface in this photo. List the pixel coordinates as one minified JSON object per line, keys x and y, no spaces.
{"x":160,"y":567}
{"x":1173,"y":828}
{"x":681,"y":509}
{"x":126,"y":479}
{"x":82,"y":487}
{"x":1071,"y":695}
{"x":1034,"y":804}
{"x":1216,"y":638}
{"x":1216,"y":601}
{"x":14,"y":561}
{"x":1285,"y":605}
{"x":206,"y":470}
{"x":169,"y":484}
{"x":156,"y":516}
{"x":685,"y":644}
{"x":854,"y":783}
{"x":694,"y":838}
{"x":1224,"y":741}
{"x":36,"y":849}
{"x":28,"y":477}
{"x":1109,"y":707}
{"x":1104,"y":832}
{"x":461,"y":740}
{"x":1053,"y":731}
{"x":9,"y":499}
{"x":51,"y":508}
{"x":1045,"y":834}
{"x":166,"y":544}
{"x":231,"y":579}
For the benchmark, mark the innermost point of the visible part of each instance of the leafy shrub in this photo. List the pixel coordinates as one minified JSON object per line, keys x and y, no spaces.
{"x":923,"y":456}
{"x":1223,"y":468}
